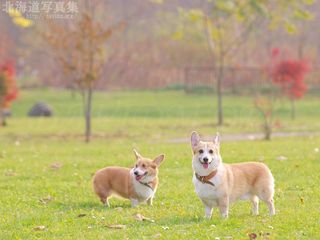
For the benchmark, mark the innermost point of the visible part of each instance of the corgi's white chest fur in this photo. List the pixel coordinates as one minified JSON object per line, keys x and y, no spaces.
{"x":143,"y":192}
{"x":208,"y":193}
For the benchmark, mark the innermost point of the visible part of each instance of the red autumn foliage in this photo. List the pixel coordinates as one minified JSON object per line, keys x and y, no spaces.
{"x":289,"y":74}
{"x":8,"y":88}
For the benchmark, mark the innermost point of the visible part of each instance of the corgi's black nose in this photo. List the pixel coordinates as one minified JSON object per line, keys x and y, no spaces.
{"x":135,"y":172}
{"x":205,"y":159}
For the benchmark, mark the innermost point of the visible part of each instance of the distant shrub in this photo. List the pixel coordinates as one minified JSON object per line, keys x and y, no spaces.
{"x":8,"y":89}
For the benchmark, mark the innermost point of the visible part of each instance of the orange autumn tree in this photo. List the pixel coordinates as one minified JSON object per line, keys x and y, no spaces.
{"x":79,"y":48}
{"x":8,"y":89}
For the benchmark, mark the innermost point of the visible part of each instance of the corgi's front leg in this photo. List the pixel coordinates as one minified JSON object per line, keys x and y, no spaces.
{"x":208,"y":212}
{"x":149,"y":201}
{"x":134,"y":202}
{"x":223,"y":205}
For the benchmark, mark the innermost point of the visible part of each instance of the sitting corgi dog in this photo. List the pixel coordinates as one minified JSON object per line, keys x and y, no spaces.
{"x":218,"y":184}
{"x":138,"y":184}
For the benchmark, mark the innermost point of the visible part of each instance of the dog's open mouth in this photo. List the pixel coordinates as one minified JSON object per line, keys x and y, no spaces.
{"x":205,"y":165}
{"x":139,"y":177}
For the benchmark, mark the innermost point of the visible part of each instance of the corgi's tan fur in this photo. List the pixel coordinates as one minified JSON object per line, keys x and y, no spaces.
{"x":230,"y":182}
{"x":138,"y":184}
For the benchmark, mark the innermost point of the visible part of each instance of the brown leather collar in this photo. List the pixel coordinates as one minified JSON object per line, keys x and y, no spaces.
{"x":205,"y":179}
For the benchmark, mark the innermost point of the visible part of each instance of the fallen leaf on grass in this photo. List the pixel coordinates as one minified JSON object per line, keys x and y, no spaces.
{"x":10,"y":173}
{"x":118,"y":208}
{"x":158,"y":235}
{"x":82,"y":215}
{"x":140,"y":217}
{"x":281,"y":158}
{"x":46,"y":200}
{"x":39,"y":228}
{"x":116,"y":226}
{"x":252,"y":236}
{"x":302,"y":200}
{"x":55,"y":166}
{"x":165,"y":228}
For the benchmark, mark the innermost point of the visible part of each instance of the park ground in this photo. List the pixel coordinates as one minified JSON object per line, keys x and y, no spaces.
{"x":46,"y":168}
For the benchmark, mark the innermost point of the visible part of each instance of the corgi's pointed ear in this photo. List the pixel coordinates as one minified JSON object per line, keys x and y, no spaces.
{"x":158,"y":160}
{"x":195,"y":139}
{"x":136,"y":154}
{"x":216,"y":140}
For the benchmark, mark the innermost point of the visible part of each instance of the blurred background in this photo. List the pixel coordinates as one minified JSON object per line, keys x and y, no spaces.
{"x":210,"y":60}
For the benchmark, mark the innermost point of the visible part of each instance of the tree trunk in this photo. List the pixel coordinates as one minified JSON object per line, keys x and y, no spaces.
{"x":267,"y":128}
{"x":293,"y":109}
{"x":2,"y":118}
{"x":88,"y":103}
{"x":221,"y":59}
{"x":219,"y":93}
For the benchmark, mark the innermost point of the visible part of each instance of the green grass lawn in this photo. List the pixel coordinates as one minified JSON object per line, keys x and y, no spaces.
{"x":146,"y":121}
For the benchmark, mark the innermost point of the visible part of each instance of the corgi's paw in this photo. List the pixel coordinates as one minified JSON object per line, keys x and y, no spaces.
{"x":134,"y":202}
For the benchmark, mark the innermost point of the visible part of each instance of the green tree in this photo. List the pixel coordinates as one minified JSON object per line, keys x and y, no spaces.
{"x":228,"y":23}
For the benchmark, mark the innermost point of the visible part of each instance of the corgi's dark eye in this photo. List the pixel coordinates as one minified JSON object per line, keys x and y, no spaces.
{"x":143,"y":165}
{"x":200,"y":151}
{"x":211,"y":151}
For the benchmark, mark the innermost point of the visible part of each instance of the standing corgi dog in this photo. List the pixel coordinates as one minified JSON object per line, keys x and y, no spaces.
{"x":138,"y":184}
{"x":218,"y":184}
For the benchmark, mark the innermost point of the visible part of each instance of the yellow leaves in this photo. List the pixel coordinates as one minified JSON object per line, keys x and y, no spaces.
{"x":178,"y":35}
{"x":301,"y":14}
{"x":22,"y":22}
{"x":227,"y":6}
{"x":216,"y":33}
{"x":309,"y":2}
{"x":157,"y":1}
{"x":196,"y":15}
{"x":290,"y":27}
{"x":14,"y":13}
{"x":18,"y":19}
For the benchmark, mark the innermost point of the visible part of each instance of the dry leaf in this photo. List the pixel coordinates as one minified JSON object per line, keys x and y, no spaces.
{"x":140,"y":217}
{"x":158,"y":235}
{"x":116,"y":226}
{"x":55,"y":166}
{"x":10,"y":173}
{"x":82,"y":215}
{"x":302,"y":200}
{"x":165,"y":227}
{"x":39,"y":228}
{"x":46,"y":199}
{"x":281,"y":158}
{"x":252,"y":236}
{"x":118,"y":208}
